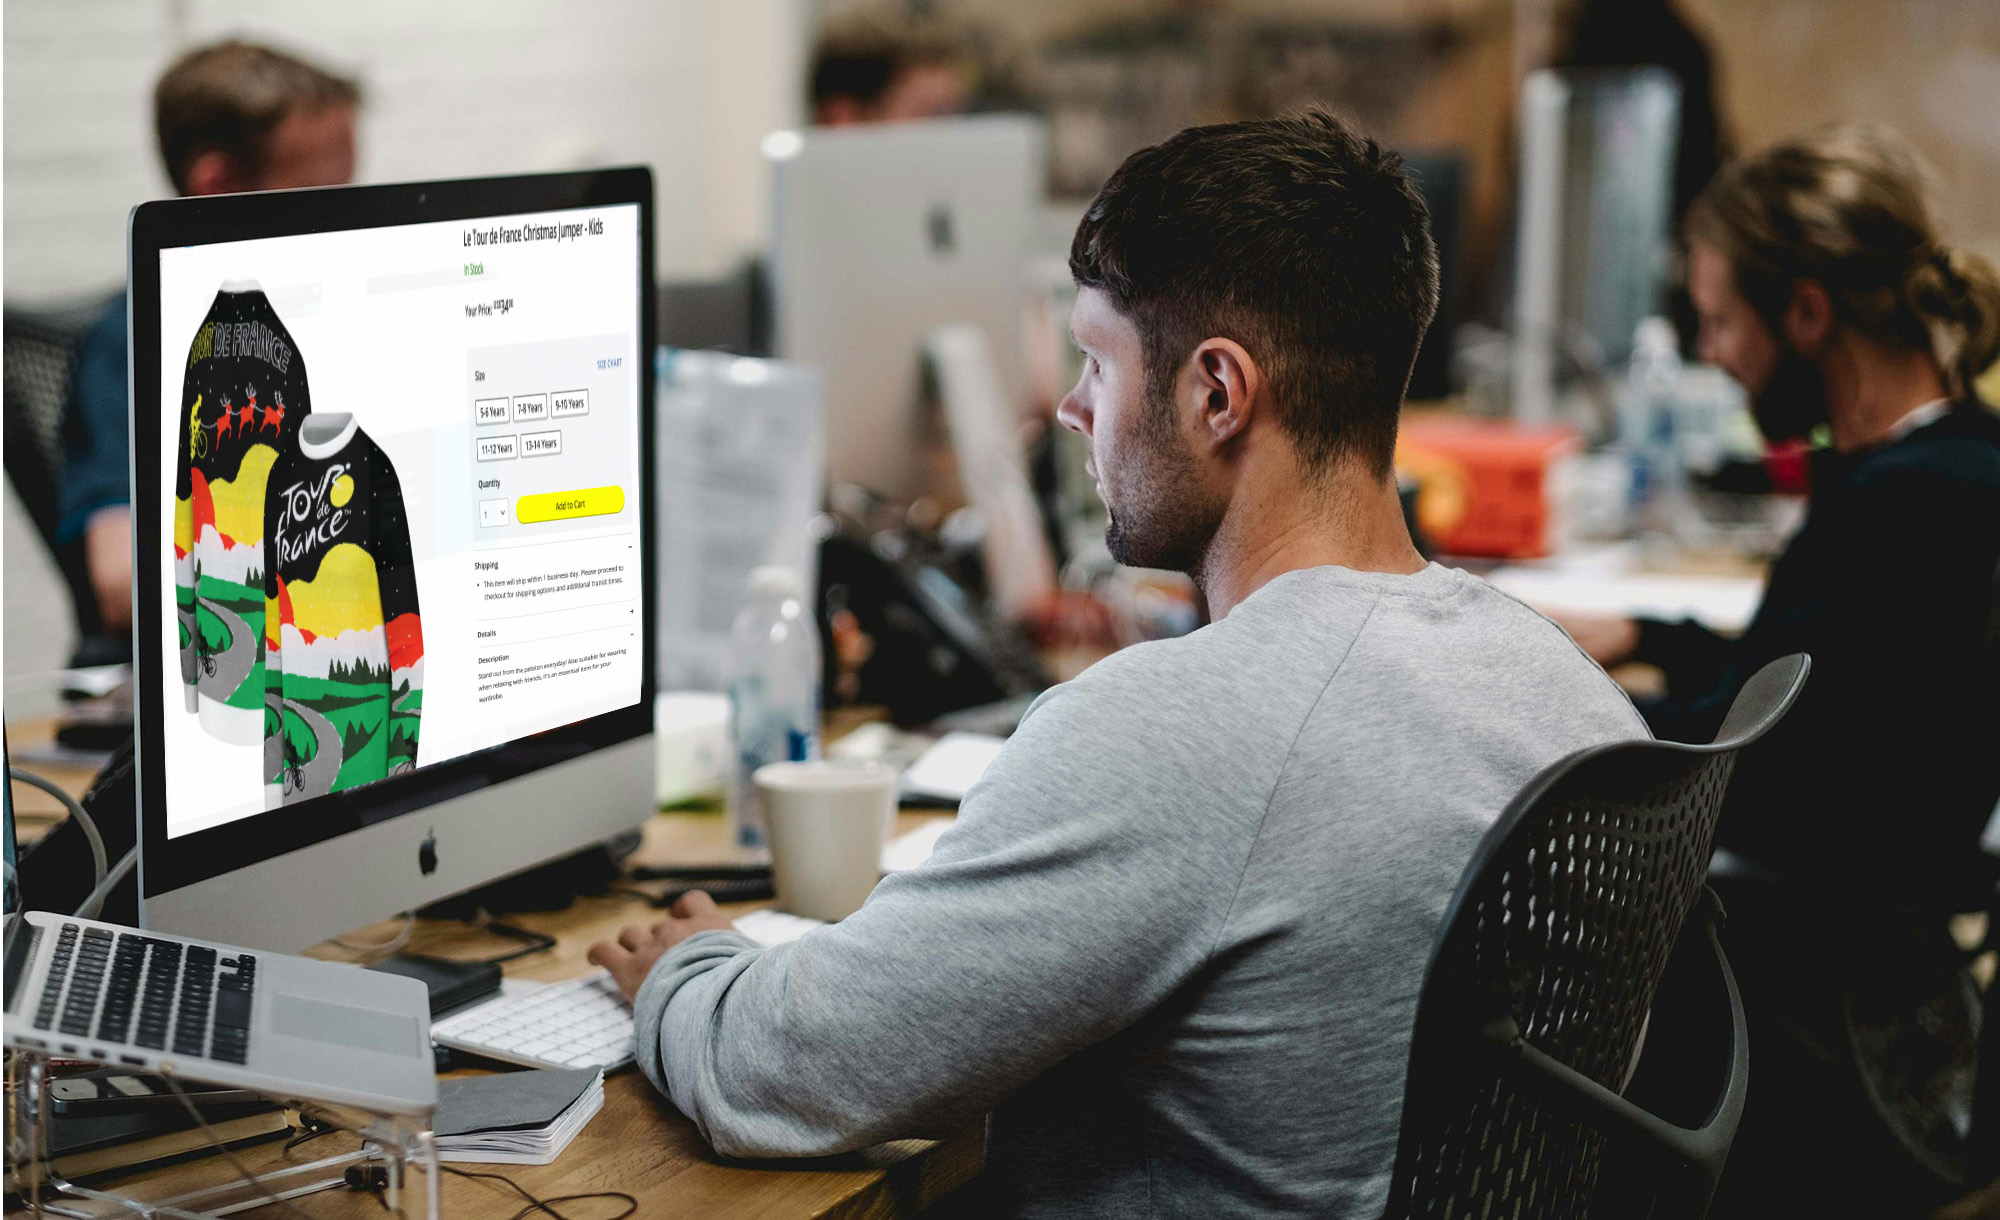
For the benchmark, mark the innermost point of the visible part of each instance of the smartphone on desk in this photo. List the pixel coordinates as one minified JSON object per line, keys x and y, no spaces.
{"x":99,"y":1093}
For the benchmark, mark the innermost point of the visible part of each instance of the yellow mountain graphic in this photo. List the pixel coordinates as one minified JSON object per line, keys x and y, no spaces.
{"x":239,"y":504}
{"x":344,"y":595}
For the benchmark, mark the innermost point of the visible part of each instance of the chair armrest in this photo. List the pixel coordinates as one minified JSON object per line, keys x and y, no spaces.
{"x":1699,"y":1151}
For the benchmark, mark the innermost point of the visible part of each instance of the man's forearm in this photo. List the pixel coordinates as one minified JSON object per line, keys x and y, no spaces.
{"x":674,"y":1016}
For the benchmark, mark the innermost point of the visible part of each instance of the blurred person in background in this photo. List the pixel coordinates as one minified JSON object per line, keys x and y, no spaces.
{"x":878,"y":65}
{"x":1822,"y":285}
{"x":231,"y":116}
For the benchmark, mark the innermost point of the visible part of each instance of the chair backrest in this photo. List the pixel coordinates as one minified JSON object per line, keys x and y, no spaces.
{"x":40,"y":355}
{"x":1563,"y":922}
{"x":39,"y":361}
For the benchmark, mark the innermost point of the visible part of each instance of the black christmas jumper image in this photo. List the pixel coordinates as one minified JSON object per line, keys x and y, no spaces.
{"x":344,"y":637}
{"x":242,"y":399}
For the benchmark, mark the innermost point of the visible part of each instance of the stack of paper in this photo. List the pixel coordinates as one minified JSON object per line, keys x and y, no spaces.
{"x":768,"y":927}
{"x":515,"y":1118}
{"x":948,"y":769}
{"x":906,"y":851}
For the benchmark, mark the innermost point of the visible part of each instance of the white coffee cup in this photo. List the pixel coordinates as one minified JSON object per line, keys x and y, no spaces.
{"x":827,"y":823}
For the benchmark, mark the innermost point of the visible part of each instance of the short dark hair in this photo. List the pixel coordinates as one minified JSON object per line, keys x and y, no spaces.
{"x":1298,"y":237}
{"x":860,"y":54}
{"x":229,"y":97}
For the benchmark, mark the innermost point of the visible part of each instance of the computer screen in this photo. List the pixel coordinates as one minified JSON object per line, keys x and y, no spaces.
{"x":399,"y":514}
{"x":401,"y":527}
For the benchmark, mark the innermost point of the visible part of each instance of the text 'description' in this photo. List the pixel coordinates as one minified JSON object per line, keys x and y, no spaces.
{"x":490,"y":411}
{"x":570,"y":402}
{"x":541,"y":444}
{"x":497,"y":448}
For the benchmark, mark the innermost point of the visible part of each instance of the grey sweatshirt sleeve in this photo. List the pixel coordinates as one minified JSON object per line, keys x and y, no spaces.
{"x":1079,"y":888}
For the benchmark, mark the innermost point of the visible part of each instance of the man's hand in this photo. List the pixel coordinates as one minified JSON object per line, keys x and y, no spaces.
{"x":630,"y":958}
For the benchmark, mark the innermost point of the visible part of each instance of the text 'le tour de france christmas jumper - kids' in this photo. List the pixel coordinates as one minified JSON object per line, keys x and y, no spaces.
{"x":344,"y":636}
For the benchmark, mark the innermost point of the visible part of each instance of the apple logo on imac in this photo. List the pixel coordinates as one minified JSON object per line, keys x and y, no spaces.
{"x":427,"y":853}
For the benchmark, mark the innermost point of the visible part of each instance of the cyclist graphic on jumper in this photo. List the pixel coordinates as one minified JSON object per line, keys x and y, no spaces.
{"x":242,"y":399}
{"x":344,"y":638}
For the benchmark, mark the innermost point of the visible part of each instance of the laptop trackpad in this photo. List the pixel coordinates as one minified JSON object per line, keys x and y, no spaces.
{"x":364,"y":1029}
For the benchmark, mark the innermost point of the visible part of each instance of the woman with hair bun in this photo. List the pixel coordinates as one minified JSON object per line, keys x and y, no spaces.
{"x":1823,"y":286}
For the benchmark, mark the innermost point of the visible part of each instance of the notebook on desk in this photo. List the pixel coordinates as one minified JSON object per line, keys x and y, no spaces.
{"x":515,"y":1118}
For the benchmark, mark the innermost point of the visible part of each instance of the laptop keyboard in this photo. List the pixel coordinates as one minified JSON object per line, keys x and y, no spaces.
{"x":128,"y":989}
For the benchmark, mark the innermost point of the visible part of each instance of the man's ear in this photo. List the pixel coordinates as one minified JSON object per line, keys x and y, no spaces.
{"x":214,"y":172}
{"x":1227,"y":387}
{"x":1808,"y":321}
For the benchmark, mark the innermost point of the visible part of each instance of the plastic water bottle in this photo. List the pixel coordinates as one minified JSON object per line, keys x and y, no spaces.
{"x":1647,"y":408}
{"x":774,"y":670}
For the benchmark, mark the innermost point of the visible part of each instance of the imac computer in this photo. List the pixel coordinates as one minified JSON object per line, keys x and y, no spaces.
{"x":881,"y":235}
{"x":393,"y":531}
{"x":1595,"y":237}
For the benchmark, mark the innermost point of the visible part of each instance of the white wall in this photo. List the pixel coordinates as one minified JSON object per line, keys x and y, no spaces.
{"x":454,"y":88}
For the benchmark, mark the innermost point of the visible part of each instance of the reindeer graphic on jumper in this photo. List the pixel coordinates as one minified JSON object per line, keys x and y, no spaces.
{"x":274,"y":414}
{"x":222,"y":425}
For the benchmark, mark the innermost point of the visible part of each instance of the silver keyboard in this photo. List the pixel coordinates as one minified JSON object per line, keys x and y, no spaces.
{"x":580,"y":1022}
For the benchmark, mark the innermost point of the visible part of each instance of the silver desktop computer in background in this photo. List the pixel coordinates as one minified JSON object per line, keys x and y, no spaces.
{"x":393,"y":528}
{"x":879,"y":236}
{"x":1594,"y":244}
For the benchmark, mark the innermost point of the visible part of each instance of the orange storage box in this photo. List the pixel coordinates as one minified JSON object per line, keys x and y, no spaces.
{"x":1484,"y":486}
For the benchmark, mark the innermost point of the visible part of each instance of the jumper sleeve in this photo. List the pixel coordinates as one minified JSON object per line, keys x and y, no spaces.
{"x":402,"y":616}
{"x":274,"y":637}
{"x":191,"y":441}
{"x":1048,"y":920}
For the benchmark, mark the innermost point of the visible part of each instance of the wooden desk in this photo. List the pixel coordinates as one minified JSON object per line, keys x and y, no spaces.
{"x":35,"y":811}
{"x":639,"y":1143}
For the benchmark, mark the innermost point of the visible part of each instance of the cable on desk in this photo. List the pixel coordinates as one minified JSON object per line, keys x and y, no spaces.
{"x":384,"y":947}
{"x":311,"y":1127}
{"x":99,"y":858}
{"x":538,"y":1204}
{"x":222,"y":1146}
{"x":538,"y":942}
{"x":319,"y":1123}
{"x":94,"y":901}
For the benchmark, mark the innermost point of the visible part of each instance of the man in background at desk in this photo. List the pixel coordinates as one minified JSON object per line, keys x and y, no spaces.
{"x":880,"y":64}
{"x":230,"y":117}
{"x":1174,"y":942}
{"x":1823,"y":287}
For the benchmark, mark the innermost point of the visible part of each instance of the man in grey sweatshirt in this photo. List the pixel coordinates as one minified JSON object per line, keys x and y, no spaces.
{"x":1172,"y":946}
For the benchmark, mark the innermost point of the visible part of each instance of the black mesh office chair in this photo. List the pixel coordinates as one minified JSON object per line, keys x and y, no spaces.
{"x":39,"y":361}
{"x":1544,"y":973}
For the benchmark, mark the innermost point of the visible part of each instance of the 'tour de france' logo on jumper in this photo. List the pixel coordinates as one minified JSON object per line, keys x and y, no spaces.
{"x":315,"y":514}
{"x":241,"y":339}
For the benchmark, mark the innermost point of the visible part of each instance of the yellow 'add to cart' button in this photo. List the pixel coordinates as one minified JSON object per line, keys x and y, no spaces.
{"x":562,"y":505}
